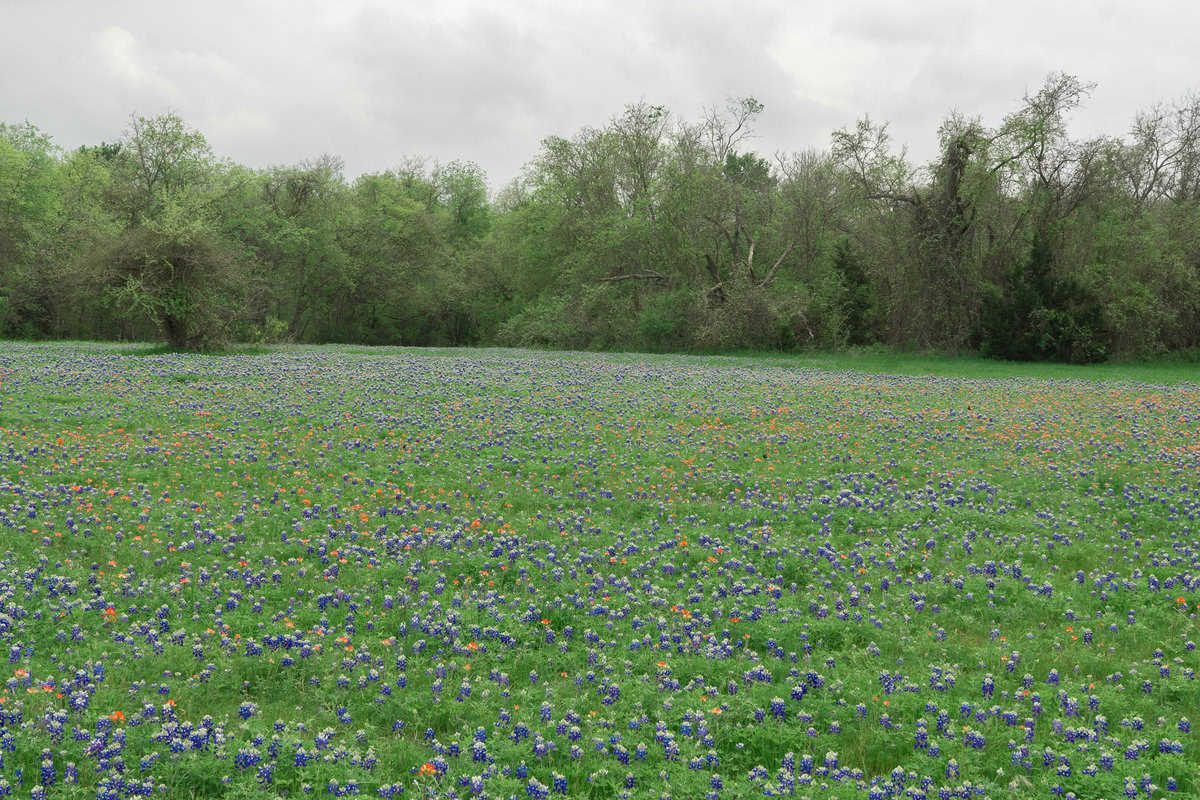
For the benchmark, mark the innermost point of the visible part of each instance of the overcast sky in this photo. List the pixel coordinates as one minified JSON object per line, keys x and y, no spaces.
{"x":278,"y":81}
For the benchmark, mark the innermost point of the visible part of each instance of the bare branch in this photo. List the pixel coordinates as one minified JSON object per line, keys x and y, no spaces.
{"x":775,"y":267}
{"x":643,"y":276}
{"x":892,"y":196}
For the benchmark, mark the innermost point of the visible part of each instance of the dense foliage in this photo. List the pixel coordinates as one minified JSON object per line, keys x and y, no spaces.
{"x":387,"y":573}
{"x":649,"y":233}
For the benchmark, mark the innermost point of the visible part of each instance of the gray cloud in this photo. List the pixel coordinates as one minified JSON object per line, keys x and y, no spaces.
{"x":277,"y":81}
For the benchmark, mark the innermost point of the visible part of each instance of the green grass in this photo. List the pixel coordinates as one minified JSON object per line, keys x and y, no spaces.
{"x":1166,"y":370}
{"x":735,"y":517}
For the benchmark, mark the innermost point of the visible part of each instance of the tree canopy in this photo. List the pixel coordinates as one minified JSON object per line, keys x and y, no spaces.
{"x":652,"y":232}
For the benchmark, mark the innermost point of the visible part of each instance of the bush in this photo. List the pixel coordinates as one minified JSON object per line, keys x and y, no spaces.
{"x":667,"y":320}
{"x":1040,"y":316}
{"x":543,"y":323}
{"x":738,"y":318}
{"x":182,"y":277}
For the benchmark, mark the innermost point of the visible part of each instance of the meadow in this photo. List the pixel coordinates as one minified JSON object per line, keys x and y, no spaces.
{"x":332,"y":572}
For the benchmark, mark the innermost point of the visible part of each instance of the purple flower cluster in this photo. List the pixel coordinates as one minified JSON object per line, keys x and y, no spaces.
{"x":501,"y":574}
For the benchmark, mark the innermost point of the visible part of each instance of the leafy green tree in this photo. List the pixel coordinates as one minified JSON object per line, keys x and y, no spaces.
{"x":177,"y":272}
{"x":159,"y":161}
{"x":462,"y":189}
{"x":295,"y":228}
{"x":29,"y":207}
{"x":1044,"y":311}
{"x":884,"y":193}
{"x":592,"y":220}
{"x":648,"y":232}
{"x":1043,"y":316}
{"x":923,"y":227}
{"x":858,"y":304}
{"x":83,"y":226}
{"x":807,"y":296}
{"x":392,"y":233}
{"x":172,"y":264}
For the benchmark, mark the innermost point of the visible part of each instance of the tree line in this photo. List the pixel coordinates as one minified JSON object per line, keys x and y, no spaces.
{"x":649,"y":233}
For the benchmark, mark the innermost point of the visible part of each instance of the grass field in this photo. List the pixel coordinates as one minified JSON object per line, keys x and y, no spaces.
{"x":335,"y":572}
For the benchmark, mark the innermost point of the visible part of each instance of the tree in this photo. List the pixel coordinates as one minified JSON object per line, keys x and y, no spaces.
{"x":1044,"y":311}
{"x":171,"y":264}
{"x":392,"y":234}
{"x":29,"y":209}
{"x":734,"y":234}
{"x":739,"y":188}
{"x":884,"y":204}
{"x":593,"y":222}
{"x":158,"y":161}
{"x":462,"y":193}
{"x":295,"y":224}
{"x":645,"y":232}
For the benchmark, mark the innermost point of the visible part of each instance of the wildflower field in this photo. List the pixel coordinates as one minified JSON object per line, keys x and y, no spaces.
{"x":395,"y":573}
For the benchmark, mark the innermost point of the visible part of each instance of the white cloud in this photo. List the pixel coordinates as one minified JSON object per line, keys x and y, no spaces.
{"x":118,"y":51}
{"x":277,"y":81}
